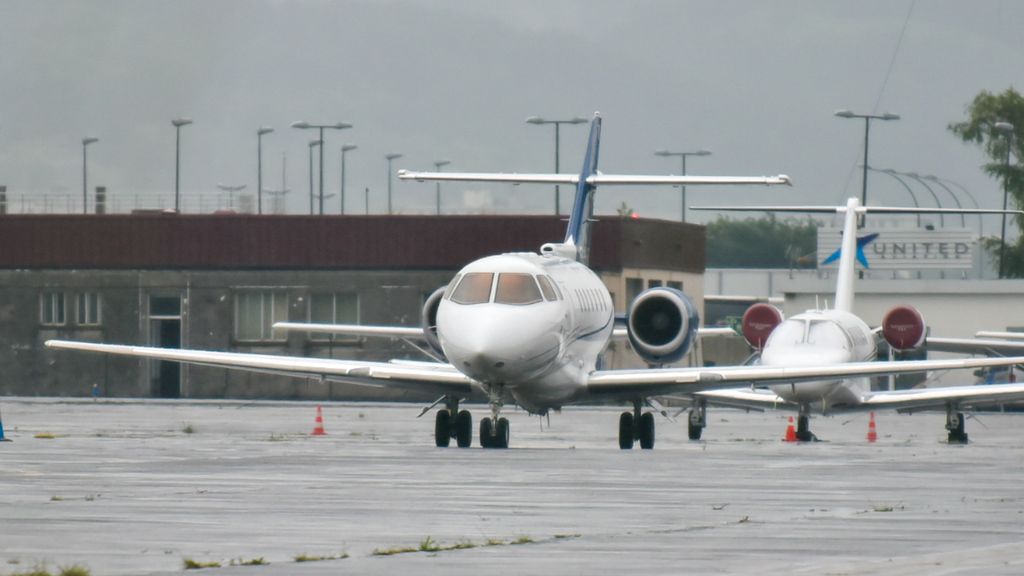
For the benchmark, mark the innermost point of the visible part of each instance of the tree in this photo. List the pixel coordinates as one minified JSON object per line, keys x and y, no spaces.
{"x":982,"y":114}
{"x":765,"y":242}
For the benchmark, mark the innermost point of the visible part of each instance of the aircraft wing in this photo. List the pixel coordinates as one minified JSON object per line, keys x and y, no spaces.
{"x":422,"y":376}
{"x":627,"y":384}
{"x":352,"y":329}
{"x":925,"y":398}
{"x":989,"y":346}
{"x":490,"y":177}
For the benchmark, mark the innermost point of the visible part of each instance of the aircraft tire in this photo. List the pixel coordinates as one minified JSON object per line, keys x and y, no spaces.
{"x":486,"y":433}
{"x":502,"y":436}
{"x":958,"y":435}
{"x":694,"y":431}
{"x":464,"y":429}
{"x":442,"y":428}
{"x":626,"y":431}
{"x":647,"y":431}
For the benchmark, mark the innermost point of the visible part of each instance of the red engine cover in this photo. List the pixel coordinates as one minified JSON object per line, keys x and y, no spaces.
{"x":903,"y":328}
{"x":758,"y":322}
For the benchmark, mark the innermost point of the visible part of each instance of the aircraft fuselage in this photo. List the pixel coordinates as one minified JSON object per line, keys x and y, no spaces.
{"x":531,"y":324}
{"x":820,"y":337}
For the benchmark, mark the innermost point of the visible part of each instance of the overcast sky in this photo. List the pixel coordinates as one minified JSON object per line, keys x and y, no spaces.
{"x":756,"y":82}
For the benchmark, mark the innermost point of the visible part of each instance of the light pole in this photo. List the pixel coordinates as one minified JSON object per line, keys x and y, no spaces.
{"x":437,"y":165}
{"x":538,"y":120}
{"x":312,"y":144}
{"x":336,"y":126}
{"x":259,"y":166}
{"x":682,"y":156}
{"x":345,"y":148}
{"x":85,"y":198}
{"x":1007,"y":129}
{"x":231,"y":192}
{"x":867,"y":124}
{"x":178,"y":123}
{"x":389,"y":158}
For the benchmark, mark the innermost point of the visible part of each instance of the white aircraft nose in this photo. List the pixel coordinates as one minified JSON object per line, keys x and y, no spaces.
{"x":506,"y":344}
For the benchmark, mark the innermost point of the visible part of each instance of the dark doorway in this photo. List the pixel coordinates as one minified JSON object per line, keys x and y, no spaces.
{"x":165,"y":332}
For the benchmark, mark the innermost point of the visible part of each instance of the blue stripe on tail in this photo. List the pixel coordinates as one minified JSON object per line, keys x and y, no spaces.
{"x":578,"y":232}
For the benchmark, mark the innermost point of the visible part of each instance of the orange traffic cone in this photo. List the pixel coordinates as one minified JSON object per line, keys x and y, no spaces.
{"x":790,"y":432}
{"x":318,"y":430}
{"x":872,"y":432}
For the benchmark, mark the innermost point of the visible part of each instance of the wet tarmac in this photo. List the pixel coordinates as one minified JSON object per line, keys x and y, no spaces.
{"x":141,"y":487}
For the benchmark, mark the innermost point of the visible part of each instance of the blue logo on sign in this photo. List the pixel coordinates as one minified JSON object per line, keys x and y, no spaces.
{"x":861,"y":243}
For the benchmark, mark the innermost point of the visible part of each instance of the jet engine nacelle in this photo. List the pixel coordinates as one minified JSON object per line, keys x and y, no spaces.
{"x":662,"y":324}
{"x":903,"y":327}
{"x":758,"y":323}
{"x":428,"y":319}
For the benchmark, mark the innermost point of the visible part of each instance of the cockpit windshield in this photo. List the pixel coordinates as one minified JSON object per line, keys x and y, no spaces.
{"x":520,"y":289}
{"x":827,"y":334}
{"x":788,"y":333}
{"x":475,"y":288}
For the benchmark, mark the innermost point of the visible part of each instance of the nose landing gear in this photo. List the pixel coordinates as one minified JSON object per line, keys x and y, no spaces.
{"x":955,"y":425}
{"x":494,"y":431}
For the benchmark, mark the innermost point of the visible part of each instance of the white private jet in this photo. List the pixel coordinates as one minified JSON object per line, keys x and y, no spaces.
{"x":529,"y":328}
{"x":839,"y":337}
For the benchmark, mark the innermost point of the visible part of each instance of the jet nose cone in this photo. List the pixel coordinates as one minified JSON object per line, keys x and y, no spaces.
{"x":498,"y":347}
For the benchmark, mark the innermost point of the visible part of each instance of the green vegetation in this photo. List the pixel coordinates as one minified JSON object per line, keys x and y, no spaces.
{"x":428,"y":544}
{"x":521,"y":540}
{"x":188,"y":429}
{"x":40,"y":570}
{"x":765,"y":242}
{"x":191,"y":564}
{"x":979,"y":128}
{"x":46,"y":435}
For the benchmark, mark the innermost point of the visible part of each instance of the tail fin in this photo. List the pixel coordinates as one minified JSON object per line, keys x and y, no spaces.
{"x":578,"y":232}
{"x":848,"y":253}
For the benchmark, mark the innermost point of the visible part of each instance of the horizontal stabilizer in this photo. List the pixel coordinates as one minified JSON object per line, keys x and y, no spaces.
{"x":595,"y":179}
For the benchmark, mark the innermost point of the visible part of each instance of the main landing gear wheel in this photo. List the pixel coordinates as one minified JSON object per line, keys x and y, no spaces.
{"x":647,"y":431}
{"x":803,"y":429}
{"x":492,"y":436}
{"x":626,"y":430}
{"x":446,"y":428}
{"x":955,"y":426}
{"x":697,"y":420}
{"x":635,"y":426}
{"x":464,"y":429}
{"x":442,"y":428}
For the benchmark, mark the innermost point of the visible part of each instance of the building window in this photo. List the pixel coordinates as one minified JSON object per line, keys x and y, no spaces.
{"x":88,"y":309}
{"x":634,"y":286}
{"x":255,"y":314}
{"x":675,"y":285}
{"x":654,"y":283}
{"x":333,"y":308}
{"x":52,"y":309}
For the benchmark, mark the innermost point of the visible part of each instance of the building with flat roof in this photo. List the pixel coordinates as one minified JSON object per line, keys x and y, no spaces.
{"x":219,"y":282}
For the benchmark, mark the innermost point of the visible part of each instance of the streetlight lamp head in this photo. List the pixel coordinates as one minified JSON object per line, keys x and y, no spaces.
{"x":264,"y":130}
{"x":577,"y":120}
{"x":662,"y":152}
{"x":314,"y":143}
{"x":1005,"y":127}
{"x":702,"y":152}
{"x":178,"y":122}
{"x":302,"y":125}
{"x":534,"y":120}
{"x":440,"y":163}
{"x":889,"y":116}
{"x":89,"y":140}
{"x":844,"y":113}
{"x":392,"y":156}
{"x":341,"y":125}
{"x":347,"y":147}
